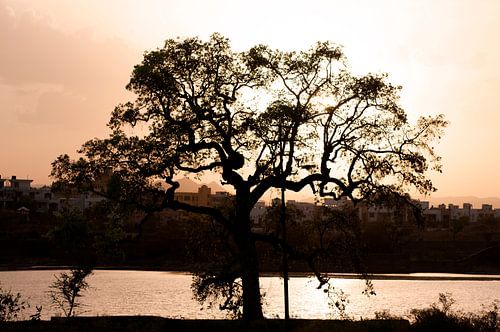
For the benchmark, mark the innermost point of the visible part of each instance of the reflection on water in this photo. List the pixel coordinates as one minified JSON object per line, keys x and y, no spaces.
{"x":168,"y":294}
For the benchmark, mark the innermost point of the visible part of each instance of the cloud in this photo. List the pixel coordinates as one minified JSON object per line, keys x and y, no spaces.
{"x":57,"y":88}
{"x":92,"y":74}
{"x":55,"y":107}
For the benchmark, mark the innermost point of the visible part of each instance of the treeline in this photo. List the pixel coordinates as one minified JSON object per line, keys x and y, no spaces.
{"x":109,"y":239}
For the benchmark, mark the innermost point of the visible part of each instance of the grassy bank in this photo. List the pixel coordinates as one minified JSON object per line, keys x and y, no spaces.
{"x":437,"y":317}
{"x":151,"y":323}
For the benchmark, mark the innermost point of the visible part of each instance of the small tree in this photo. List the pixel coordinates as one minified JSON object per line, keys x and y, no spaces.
{"x":67,"y":288}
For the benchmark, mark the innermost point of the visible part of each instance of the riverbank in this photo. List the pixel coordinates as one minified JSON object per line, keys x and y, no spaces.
{"x":376,"y":276}
{"x":152,"y":323}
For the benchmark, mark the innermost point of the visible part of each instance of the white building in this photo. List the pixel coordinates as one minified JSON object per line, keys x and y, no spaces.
{"x":443,"y":214}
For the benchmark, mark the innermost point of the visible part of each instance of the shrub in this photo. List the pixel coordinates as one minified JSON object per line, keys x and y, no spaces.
{"x":440,"y":317}
{"x":488,"y":319}
{"x":10,"y":305}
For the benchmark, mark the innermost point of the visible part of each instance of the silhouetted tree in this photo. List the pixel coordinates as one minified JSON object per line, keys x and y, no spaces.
{"x":67,"y":288}
{"x":258,"y":120}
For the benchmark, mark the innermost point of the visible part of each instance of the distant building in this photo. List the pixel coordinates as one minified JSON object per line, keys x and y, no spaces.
{"x":13,"y":191}
{"x":258,"y":213}
{"x":203,"y":197}
{"x":306,"y":209}
{"x":424,"y":205}
{"x":16,"y":193}
{"x":336,"y":203}
{"x":441,"y":216}
{"x":44,"y":199}
{"x":381,"y":213}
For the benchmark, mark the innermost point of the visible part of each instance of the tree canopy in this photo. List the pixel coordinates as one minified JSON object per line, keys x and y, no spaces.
{"x":256,"y":120}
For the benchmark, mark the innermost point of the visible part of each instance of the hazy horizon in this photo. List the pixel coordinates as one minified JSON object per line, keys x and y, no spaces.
{"x":64,"y":66}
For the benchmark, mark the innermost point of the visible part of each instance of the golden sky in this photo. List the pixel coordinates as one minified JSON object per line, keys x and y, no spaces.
{"x":64,"y":65}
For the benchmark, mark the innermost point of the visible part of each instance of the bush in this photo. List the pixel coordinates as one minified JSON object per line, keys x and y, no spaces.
{"x":488,"y":320}
{"x":440,"y":317}
{"x":10,"y":305}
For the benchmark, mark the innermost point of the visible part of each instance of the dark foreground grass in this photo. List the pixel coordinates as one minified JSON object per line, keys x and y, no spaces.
{"x":441,"y":317}
{"x":437,"y":317}
{"x":157,"y":324}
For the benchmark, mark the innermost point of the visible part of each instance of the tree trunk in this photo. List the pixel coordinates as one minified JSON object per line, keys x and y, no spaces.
{"x":252,"y":306}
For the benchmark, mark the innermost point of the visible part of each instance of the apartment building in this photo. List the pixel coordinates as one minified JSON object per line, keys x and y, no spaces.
{"x":442,"y":215}
{"x":14,"y":191}
{"x":17,"y":193}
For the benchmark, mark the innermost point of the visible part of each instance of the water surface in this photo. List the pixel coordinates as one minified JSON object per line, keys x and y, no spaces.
{"x":168,"y":294}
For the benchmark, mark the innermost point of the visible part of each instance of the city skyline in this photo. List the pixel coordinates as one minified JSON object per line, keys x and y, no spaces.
{"x":188,"y":185}
{"x":64,"y":66}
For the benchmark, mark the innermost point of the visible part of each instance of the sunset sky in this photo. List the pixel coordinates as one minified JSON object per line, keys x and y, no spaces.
{"x":64,"y":65}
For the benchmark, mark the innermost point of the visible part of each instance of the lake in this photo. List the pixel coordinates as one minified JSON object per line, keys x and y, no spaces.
{"x":168,"y":294}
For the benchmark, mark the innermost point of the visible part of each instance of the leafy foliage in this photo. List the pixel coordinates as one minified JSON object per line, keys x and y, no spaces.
{"x":216,"y":277}
{"x":440,"y":317}
{"x":199,"y":100}
{"x":37,"y":315}
{"x":337,"y":301}
{"x":212,"y":288}
{"x":10,"y":305}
